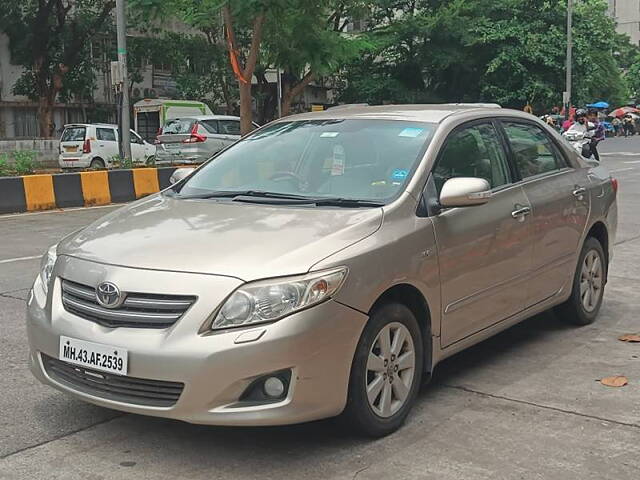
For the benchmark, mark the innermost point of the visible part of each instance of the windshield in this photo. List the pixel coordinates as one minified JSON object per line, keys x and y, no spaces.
{"x":350,"y":159}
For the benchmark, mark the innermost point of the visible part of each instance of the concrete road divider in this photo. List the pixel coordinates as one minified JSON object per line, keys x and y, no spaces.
{"x":48,"y":191}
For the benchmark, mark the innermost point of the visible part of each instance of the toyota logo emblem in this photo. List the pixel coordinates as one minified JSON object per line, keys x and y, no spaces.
{"x":108,"y":295}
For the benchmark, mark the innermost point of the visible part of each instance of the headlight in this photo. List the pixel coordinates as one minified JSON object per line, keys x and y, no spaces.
{"x":271,"y":300}
{"x":46,"y":267}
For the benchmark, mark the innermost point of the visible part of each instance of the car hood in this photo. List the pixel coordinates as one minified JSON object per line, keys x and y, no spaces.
{"x":242,"y":240}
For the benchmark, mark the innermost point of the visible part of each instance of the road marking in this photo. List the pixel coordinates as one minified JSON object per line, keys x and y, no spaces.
{"x":622,"y":170}
{"x":19,"y":259}
{"x":59,"y":210}
{"x":634,"y":161}
{"x":620,"y":154}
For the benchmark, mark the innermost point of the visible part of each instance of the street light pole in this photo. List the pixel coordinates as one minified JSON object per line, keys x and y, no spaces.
{"x":567,"y":99}
{"x":121,"y":28}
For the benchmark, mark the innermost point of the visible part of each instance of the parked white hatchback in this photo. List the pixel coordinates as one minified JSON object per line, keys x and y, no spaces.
{"x":96,"y":146}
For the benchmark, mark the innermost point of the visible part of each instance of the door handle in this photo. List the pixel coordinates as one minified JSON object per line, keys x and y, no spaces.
{"x":579,"y":192}
{"x":520,"y":213}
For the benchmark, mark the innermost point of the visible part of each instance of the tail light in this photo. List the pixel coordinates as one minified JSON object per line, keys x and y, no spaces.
{"x":195,"y":136}
{"x":614,"y":184}
{"x":157,"y":141}
{"x":86,"y":146}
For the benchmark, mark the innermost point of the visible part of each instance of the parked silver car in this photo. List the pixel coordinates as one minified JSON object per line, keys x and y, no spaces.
{"x":196,"y":139}
{"x":328,"y":262}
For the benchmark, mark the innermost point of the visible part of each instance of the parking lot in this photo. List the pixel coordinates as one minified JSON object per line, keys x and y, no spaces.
{"x":525,"y":404}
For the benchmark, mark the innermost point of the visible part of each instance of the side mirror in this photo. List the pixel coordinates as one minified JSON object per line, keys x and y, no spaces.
{"x":465,"y":192}
{"x":179,"y":174}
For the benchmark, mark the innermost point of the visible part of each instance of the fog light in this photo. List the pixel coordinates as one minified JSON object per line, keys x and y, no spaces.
{"x":273,"y":387}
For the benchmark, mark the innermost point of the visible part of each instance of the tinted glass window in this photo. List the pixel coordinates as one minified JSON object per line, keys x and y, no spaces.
{"x":474,"y":151}
{"x":534,"y":152}
{"x":106,"y":134}
{"x":230,"y":127}
{"x":355,"y":159}
{"x":178,"y":126}
{"x":73,"y":134}
{"x":210,"y":126}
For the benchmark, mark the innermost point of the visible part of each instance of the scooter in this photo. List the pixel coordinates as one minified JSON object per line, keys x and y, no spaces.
{"x":580,"y":141}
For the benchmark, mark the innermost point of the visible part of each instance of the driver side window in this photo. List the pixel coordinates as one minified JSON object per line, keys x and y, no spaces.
{"x":474,"y":151}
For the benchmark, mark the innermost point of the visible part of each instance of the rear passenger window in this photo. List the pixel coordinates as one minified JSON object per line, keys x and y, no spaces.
{"x":230,"y":127}
{"x":474,"y":151}
{"x":534,"y":152}
{"x":106,"y":134}
{"x":73,"y":134}
{"x":210,"y":126}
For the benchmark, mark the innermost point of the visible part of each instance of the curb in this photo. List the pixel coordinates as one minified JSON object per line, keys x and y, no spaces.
{"x":81,"y":189}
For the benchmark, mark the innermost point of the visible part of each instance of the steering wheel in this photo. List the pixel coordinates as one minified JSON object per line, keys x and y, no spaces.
{"x":281,"y":176}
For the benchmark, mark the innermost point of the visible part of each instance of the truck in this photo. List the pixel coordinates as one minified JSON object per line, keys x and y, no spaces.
{"x":151,"y":114}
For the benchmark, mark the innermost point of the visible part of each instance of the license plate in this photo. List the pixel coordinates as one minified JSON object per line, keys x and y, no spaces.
{"x":71,"y":149}
{"x":93,"y":355}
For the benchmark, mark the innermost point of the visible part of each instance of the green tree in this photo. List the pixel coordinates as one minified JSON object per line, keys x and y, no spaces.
{"x":51,"y":40}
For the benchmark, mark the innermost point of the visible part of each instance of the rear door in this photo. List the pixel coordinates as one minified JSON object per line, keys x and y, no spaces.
{"x":560,"y":206}
{"x":106,"y":144}
{"x":484,"y":252}
{"x":71,"y":142}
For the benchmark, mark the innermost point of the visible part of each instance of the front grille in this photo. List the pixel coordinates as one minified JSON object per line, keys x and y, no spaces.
{"x":138,"y":391}
{"x":139,"y":310}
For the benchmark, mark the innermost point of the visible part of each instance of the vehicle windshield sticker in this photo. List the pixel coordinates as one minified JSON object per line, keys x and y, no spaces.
{"x":411,"y":132}
{"x":329,"y":134}
{"x":337,"y":167}
{"x":399,"y":174}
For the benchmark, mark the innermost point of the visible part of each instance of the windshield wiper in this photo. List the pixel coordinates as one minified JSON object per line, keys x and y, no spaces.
{"x":245,"y":193}
{"x":346,"y":202}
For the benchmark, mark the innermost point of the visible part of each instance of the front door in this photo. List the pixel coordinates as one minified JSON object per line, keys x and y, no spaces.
{"x":560,"y":207}
{"x":107,"y":141}
{"x":485,"y":251}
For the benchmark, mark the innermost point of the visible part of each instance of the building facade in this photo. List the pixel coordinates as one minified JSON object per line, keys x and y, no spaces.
{"x":626,"y":13}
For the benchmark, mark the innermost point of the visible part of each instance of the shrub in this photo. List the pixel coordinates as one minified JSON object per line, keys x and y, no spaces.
{"x":4,"y":165}
{"x":24,"y":161}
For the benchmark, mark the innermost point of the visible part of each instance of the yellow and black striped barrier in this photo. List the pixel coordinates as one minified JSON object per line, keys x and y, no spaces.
{"x":63,"y":190}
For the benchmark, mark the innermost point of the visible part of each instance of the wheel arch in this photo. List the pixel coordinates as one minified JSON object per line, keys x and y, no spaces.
{"x":415,"y":301}
{"x":599,"y":231}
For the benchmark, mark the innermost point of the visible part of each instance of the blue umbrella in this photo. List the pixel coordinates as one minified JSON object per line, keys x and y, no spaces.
{"x":598,"y":105}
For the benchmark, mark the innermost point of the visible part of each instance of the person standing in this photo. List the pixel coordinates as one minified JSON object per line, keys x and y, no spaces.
{"x":617,"y":126}
{"x":599,"y":133}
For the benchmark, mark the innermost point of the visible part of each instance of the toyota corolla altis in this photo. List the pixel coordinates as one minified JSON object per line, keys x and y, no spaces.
{"x":324,"y":265}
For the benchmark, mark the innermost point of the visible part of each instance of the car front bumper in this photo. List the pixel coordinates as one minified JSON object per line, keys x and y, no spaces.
{"x":317,"y":345}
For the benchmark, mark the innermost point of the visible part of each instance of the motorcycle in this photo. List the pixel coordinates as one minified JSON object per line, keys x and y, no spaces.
{"x":581,"y":141}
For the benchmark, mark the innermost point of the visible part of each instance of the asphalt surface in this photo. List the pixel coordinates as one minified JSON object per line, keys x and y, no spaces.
{"x":525,"y":404}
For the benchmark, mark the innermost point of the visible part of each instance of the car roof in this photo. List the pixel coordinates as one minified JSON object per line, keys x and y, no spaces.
{"x":430,"y":113}
{"x":111,"y":125}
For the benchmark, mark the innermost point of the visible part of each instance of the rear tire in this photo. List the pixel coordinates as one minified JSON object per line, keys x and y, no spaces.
{"x":386,"y":372}
{"x":589,"y":280}
{"x":97,"y":164}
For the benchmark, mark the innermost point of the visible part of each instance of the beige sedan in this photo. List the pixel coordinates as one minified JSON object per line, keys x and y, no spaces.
{"x":323,"y":266}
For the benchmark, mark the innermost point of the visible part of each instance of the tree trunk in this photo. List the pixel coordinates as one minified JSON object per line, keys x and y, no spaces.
{"x":45,"y":117}
{"x":246,"y":112}
{"x":291,"y":93}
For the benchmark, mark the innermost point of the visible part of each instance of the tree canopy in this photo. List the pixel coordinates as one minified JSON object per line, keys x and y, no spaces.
{"x":507,"y":51}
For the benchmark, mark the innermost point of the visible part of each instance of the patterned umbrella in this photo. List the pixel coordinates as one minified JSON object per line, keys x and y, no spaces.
{"x":622,"y":111}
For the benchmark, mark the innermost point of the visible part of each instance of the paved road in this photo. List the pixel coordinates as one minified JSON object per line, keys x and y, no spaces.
{"x":524,"y":404}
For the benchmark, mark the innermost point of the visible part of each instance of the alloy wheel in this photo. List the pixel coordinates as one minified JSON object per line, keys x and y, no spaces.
{"x":591,"y":281}
{"x":391,"y":367}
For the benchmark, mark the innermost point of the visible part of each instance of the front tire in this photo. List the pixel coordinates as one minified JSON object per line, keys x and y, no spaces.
{"x":584,"y":304}
{"x":386,"y":371}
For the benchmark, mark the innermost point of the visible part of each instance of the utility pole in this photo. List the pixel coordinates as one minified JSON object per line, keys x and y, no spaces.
{"x":121,"y":27}
{"x":567,"y":93}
